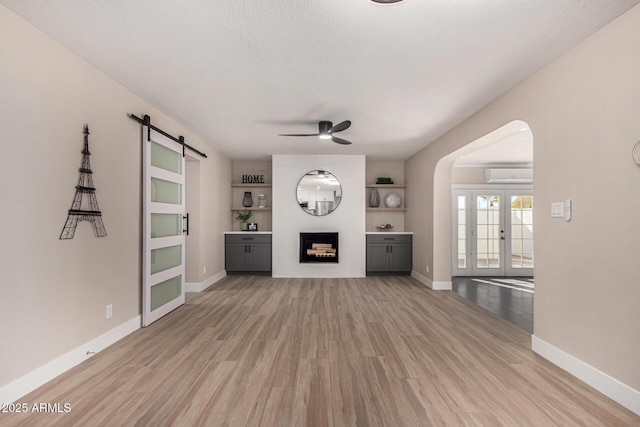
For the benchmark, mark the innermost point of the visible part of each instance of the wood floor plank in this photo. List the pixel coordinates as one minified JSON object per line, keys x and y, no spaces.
{"x":375,"y":351}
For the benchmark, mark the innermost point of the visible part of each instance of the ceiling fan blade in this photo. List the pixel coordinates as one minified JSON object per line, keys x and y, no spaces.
{"x":340,"y":126}
{"x":340,"y":140}
{"x":298,"y":134}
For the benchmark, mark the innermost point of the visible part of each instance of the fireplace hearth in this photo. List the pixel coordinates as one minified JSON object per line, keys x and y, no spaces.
{"x":319,"y":247}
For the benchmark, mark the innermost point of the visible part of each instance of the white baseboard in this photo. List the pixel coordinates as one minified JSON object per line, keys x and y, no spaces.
{"x":422,"y":279}
{"x":436,"y":286}
{"x":605,"y":384}
{"x":442,"y":286}
{"x":15,"y":390}
{"x":199,"y":287}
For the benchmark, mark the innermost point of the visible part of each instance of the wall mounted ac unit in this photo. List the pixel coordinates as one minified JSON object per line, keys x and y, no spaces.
{"x":508,"y":176}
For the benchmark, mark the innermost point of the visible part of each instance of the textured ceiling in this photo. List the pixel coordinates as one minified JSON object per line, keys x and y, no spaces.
{"x":239,"y":72}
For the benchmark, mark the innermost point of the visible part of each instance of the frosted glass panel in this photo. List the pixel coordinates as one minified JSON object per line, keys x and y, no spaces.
{"x":165,"y":225}
{"x":165,"y":292}
{"x":165,"y":258}
{"x":164,"y":158}
{"x":165,"y":191}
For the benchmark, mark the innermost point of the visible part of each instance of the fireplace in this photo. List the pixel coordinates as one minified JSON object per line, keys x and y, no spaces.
{"x":319,"y":247}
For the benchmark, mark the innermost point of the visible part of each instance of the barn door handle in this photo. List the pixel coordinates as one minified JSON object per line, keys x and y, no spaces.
{"x":187,"y":229}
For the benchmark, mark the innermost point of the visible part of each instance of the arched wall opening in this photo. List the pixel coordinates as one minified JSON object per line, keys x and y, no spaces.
{"x":491,"y":150}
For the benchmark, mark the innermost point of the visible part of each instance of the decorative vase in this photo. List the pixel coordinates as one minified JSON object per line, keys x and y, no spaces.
{"x":262,"y":200}
{"x":374,"y":200}
{"x":393,"y":200}
{"x":244,"y":226}
{"x":247,"y":201}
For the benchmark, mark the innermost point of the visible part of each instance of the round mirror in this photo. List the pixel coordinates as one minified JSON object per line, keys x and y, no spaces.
{"x":319,"y":193}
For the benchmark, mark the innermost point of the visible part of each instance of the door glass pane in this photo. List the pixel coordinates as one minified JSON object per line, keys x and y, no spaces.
{"x":165,"y":291}
{"x":165,"y":225}
{"x":488,"y":231}
{"x":462,"y":232}
{"x":522,"y":231}
{"x":164,"y":158}
{"x":165,"y":191}
{"x":165,"y":258}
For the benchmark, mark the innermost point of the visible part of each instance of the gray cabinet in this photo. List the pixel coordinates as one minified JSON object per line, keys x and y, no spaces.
{"x":389,"y":253}
{"x":247,"y":253}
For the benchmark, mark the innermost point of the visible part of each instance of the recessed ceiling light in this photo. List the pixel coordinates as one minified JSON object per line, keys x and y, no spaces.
{"x":388,"y":2}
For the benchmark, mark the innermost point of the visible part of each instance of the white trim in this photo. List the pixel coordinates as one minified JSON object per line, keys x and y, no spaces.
{"x":442,"y":286}
{"x":436,"y":286}
{"x":605,"y":384}
{"x":422,"y":279}
{"x":199,"y":287}
{"x":36,"y":378}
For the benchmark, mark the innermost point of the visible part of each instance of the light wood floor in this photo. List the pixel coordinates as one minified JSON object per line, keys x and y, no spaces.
{"x":380,"y":351}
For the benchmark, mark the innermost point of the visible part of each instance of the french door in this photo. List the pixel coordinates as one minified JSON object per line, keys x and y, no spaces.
{"x":163,"y":215}
{"x":492,"y":232}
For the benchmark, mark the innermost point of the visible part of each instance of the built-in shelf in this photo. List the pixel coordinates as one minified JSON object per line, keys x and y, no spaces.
{"x":251,"y":209}
{"x":251,"y":185}
{"x":386,"y":186}
{"x":387,"y":209}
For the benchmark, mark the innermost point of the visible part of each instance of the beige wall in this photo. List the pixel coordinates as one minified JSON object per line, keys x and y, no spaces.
{"x":472,"y":175}
{"x":54,"y":292}
{"x":584,"y":112}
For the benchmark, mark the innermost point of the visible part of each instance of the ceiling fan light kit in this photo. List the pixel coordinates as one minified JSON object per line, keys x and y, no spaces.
{"x":325,"y":131}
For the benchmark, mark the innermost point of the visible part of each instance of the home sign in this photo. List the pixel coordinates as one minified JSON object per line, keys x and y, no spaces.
{"x":253,"y":179}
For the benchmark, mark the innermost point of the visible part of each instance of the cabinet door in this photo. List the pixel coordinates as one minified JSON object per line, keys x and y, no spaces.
{"x":259,"y":257}
{"x":377,"y":257}
{"x":235,"y":254}
{"x":400,"y":257}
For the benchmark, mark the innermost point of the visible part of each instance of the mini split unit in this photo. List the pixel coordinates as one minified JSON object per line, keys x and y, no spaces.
{"x":508,"y":176}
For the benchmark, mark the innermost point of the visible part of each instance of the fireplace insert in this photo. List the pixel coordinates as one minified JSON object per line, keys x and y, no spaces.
{"x":319,"y":247}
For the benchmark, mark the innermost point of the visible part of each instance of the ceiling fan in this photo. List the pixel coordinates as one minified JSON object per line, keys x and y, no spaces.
{"x":325,"y":131}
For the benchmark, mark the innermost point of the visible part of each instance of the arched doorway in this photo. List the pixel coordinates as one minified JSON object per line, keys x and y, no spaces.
{"x":491,"y":221}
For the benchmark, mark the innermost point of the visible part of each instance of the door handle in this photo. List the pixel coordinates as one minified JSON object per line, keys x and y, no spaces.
{"x":187,"y":218}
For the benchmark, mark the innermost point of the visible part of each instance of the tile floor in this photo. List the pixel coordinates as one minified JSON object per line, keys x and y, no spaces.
{"x":508,"y":297}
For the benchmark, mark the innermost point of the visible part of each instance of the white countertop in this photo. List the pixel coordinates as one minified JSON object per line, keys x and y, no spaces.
{"x":389,"y":232}
{"x":248,"y":232}
{"x":271,"y":232}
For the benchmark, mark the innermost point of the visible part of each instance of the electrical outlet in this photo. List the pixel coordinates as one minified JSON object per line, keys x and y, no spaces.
{"x":427,"y":268}
{"x":204,"y":270}
{"x":109,"y":311}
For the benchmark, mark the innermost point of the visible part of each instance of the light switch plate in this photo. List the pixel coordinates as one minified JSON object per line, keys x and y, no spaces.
{"x":567,"y":209}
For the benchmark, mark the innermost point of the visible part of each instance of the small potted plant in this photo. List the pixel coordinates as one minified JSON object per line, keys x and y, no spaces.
{"x":243,"y":217}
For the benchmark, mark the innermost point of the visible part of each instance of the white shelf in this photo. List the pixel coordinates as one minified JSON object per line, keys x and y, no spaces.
{"x":386,"y":186}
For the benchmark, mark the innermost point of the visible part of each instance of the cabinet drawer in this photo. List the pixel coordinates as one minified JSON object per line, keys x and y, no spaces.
{"x":389,"y":238}
{"x":247,"y":238}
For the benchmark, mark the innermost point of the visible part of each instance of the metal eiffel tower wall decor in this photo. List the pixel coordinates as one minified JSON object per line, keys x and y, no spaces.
{"x":84,"y":190}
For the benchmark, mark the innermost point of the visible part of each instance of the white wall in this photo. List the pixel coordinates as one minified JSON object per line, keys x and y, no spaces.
{"x":289,"y":220}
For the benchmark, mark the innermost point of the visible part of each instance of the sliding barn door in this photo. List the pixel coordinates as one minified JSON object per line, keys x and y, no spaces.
{"x":163,"y":237}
